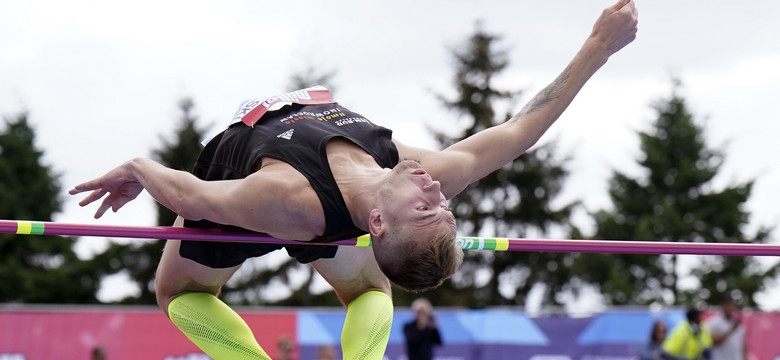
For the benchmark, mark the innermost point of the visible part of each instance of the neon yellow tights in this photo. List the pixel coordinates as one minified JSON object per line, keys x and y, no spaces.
{"x":367,"y":326}
{"x":221,"y":333}
{"x":214,"y":327}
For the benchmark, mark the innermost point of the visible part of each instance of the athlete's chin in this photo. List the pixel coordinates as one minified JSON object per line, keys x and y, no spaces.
{"x":408,"y":164}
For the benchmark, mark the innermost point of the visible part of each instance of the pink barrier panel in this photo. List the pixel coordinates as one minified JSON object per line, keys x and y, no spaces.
{"x":762,"y":334}
{"x":125,"y":334}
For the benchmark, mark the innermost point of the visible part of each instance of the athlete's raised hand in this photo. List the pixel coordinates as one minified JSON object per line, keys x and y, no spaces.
{"x":118,"y":186}
{"x":617,"y":26}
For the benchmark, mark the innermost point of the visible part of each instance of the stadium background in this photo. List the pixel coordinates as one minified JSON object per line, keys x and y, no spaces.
{"x":71,"y":332}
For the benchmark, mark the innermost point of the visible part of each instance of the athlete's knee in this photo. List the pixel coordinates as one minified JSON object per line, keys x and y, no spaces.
{"x":172,"y":281}
{"x":166,"y":285}
{"x":163,"y":299}
{"x":164,"y":293}
{"x":176,"y":275}
{"x":169,"y":287}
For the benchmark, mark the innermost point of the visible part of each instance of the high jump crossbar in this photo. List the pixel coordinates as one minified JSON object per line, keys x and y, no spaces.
{"x":466,"y":242}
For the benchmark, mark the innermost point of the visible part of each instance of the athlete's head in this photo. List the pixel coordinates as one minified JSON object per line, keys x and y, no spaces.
{"x":413,"y":231}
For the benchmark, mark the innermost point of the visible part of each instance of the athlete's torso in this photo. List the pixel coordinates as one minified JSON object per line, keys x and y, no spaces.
{"x":298,"y":144}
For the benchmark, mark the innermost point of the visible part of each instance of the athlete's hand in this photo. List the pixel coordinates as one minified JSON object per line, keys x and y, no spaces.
{"x":118,"y":184}
{"x":617,"y":26}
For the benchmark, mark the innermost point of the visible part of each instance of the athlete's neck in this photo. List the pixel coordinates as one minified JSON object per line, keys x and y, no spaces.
{"x":358,"y":176}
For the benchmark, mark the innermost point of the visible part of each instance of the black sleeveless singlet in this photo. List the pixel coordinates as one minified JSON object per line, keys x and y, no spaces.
{"x":295,"y":134}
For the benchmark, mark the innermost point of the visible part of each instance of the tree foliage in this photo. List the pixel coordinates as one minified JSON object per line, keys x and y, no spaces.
{"x":674,"y":200}
{"x":37,"y":269}
{"x":509,"y":202}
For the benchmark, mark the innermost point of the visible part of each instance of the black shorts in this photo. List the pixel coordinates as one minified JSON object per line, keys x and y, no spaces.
{"x":218,"y":255}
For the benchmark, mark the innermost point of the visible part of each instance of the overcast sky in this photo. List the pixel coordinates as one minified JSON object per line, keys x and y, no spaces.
{"x":101,"y":79}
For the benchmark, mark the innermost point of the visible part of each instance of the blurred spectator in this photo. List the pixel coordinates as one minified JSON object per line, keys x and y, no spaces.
{"x":728,"y":334}
{"x":652,"y":350}
{"x":286,"y":347}
{"x":690,"y":339}
{"x":326,"y":352}
{"x":422,"y":333}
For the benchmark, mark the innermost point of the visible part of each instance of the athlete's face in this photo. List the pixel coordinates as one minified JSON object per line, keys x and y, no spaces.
{"x":414,"y":198}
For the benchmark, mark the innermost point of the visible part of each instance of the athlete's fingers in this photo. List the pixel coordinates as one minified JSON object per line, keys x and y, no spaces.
{"x":85,"y":186}
{"x":95,"y":195}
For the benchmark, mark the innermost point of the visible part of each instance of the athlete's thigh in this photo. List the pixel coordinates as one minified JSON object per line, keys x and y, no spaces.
{"x":177,"y":275}
{"x":352,"y":272}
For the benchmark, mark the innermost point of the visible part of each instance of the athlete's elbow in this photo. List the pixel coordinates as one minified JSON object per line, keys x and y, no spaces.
{"x":189,"y":215}
{"x":190,"y":207}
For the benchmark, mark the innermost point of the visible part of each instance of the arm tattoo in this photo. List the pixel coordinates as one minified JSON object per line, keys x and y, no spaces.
{"x":548,"y":94}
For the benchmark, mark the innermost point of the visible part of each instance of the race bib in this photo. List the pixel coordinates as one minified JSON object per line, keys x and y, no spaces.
{"x":250,"y":111}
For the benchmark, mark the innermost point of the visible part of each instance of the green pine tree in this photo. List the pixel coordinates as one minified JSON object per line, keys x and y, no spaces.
{"x":674,"y":200}
{"x":509,"y":202}
{"x":36,"y":269}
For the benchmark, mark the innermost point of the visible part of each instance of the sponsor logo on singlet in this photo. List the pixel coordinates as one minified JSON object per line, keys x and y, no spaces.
{"x":287,"y":135}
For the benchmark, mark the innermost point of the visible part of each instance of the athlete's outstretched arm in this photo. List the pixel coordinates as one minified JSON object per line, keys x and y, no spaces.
{"x":473,"y":158}
{"x":223,"y":202}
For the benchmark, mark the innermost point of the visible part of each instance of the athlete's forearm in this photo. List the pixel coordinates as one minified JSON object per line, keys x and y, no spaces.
{"x":536,"y":117}
{"x":613,"y":30}
{"x":493,"y":148}
{"x":173,"y":189}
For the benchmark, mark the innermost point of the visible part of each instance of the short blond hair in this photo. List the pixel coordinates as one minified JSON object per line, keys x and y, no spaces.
{"x":418,"y":266}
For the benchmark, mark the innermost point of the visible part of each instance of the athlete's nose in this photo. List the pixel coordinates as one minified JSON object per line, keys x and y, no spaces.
{"x":433,"y":186}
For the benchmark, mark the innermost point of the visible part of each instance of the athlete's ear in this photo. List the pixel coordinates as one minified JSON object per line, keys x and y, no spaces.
{"x":376,"y":224}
